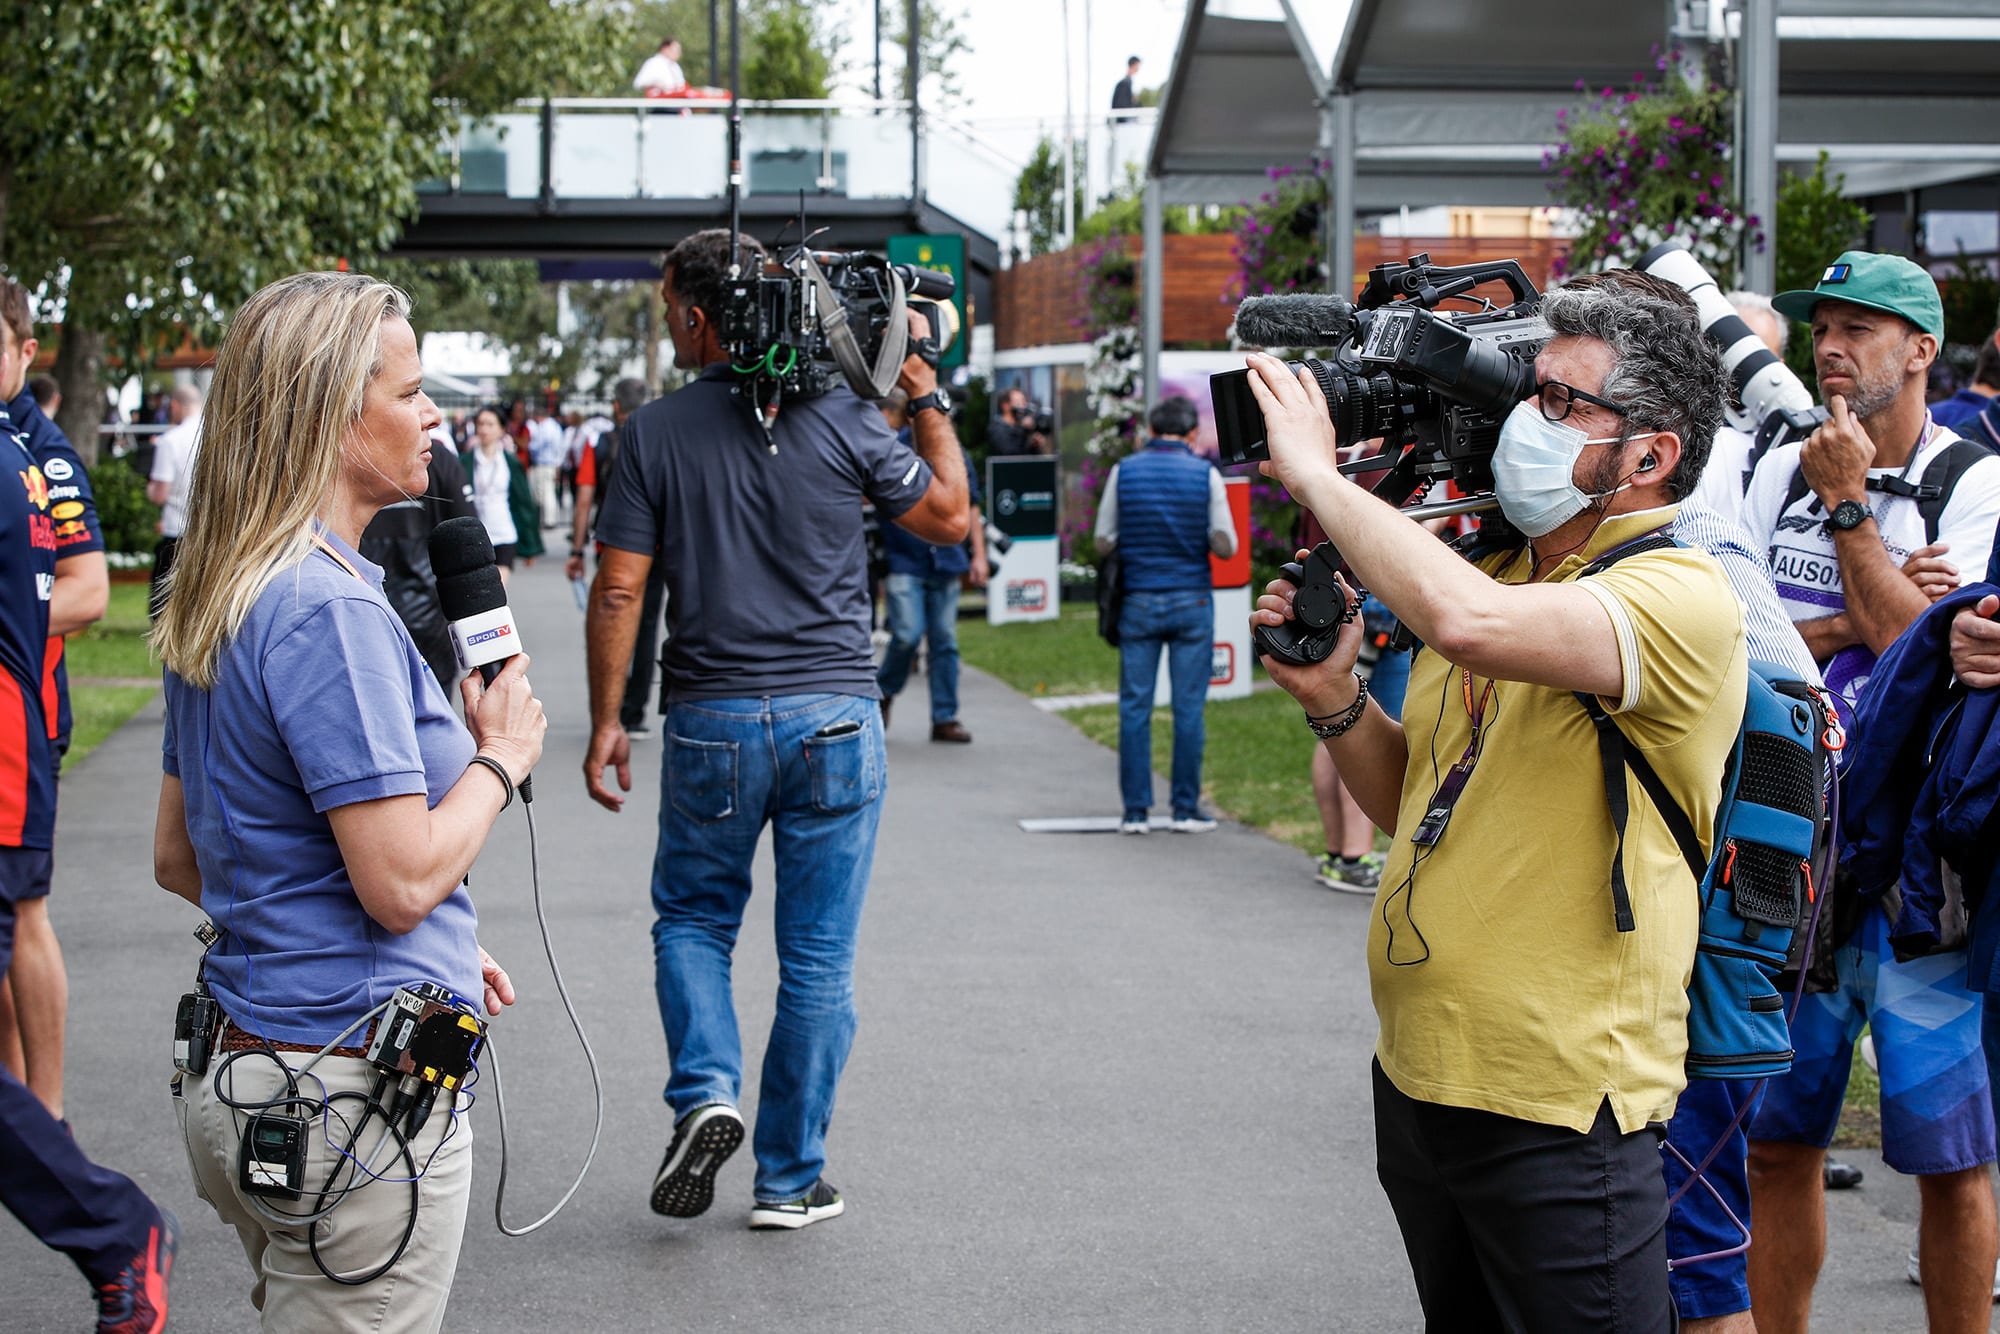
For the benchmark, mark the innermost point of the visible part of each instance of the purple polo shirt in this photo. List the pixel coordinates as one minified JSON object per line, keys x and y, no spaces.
{"x":320,"y":701}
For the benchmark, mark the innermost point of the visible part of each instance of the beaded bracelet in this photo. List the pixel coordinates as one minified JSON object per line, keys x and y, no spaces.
{"x":1338,"y":724}
{"x":501,"y":774}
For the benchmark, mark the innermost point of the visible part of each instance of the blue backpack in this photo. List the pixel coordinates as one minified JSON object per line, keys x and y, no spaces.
{"x":1757,"y":886}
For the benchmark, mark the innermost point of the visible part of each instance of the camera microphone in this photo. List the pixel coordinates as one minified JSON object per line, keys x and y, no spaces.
{"x":474,"y":601}
{"x":1309,"y":319}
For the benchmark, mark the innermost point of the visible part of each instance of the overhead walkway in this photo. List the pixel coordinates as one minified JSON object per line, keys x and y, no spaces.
{"x":593,"y":178}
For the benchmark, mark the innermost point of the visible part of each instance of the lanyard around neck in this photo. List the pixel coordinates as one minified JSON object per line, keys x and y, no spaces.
{"x":336,"y":557}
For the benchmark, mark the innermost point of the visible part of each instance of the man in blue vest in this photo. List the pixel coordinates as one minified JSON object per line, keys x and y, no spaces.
{"x":1165,"y":509}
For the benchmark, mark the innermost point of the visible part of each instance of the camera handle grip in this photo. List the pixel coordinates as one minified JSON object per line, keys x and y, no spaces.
{"x":1318,"y":612}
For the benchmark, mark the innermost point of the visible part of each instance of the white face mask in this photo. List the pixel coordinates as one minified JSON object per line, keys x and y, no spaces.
{"x":1534,"y":470}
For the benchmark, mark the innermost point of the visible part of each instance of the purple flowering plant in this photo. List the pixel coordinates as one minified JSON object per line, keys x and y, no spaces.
{"x":1645,"y":164}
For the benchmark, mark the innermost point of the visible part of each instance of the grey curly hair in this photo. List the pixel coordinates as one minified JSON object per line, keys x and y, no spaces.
{"x":1665,"y":370}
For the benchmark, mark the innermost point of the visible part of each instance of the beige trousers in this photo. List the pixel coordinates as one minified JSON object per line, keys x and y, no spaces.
{"x":289,"y":1291}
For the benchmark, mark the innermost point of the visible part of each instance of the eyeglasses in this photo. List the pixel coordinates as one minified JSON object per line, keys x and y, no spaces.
{"x":1557,"y":400}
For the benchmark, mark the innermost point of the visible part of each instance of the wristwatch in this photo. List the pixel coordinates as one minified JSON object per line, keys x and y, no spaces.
{"x":1849,"y":515}
{"x":939,"y":398}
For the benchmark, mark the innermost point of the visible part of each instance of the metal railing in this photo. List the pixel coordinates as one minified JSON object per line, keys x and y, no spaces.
{"x":676,"y":148}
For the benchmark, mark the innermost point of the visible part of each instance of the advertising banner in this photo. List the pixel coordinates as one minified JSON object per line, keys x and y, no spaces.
{"x":946,"y":254}
{"x":1021,"y":493}
{"x":1229,"y":676}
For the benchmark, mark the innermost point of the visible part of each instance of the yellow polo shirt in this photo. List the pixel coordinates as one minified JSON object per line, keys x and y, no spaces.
{"x":1500,"y":978}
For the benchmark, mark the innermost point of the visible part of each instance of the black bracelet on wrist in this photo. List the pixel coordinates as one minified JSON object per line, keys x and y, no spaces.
{"x":1338,"y":724}
{"x":500,"y":772}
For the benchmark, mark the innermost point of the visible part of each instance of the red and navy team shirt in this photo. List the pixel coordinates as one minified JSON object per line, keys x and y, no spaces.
{"x":27,"y":577}
{"x":74,"y":511}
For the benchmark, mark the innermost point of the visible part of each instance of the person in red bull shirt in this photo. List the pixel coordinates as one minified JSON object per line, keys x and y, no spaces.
{"x":121,"y":1241}
{"x":34,"y":995}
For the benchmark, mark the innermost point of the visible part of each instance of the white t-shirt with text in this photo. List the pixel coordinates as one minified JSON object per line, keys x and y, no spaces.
{"x":1800,"y":542}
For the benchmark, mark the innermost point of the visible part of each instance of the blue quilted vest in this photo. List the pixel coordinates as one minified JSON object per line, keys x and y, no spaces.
{"x":1163,"y":519}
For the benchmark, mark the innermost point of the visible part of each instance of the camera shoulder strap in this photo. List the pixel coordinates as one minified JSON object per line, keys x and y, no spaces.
{"x":880,"y":378}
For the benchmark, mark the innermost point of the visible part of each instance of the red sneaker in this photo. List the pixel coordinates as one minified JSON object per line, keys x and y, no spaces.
{"x":136,"y":1301}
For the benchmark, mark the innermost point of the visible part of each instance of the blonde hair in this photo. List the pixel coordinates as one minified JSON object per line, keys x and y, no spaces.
{"x":289,"y":383}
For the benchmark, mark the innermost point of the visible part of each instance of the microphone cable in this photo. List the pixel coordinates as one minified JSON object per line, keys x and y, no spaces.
{"x":589,"y":1056}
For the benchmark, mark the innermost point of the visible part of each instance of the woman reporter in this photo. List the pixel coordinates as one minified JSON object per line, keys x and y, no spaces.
{"x":322,"y":804}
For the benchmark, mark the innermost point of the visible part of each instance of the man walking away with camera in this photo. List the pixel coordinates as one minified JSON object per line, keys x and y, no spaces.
{"x":771,"y":717}
{"x":1530,"y":1049}
{"x":1165,"y":509}
{"x":1869,"y":520}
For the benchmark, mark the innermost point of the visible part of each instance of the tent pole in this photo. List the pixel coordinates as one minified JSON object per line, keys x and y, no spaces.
{"x":1336,"y":148}
{"x":1152,"y":289}
{"x":1759,"y":81}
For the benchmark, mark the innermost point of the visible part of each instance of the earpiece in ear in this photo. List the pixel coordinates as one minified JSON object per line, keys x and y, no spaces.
{"x":1648,"y":463}
{"x":690,"y":321}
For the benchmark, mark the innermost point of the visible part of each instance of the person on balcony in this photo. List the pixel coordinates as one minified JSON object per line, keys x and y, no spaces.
{"x":661,"y":75}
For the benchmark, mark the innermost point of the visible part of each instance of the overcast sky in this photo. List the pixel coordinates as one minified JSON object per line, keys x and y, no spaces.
{"x":1015,"y":72}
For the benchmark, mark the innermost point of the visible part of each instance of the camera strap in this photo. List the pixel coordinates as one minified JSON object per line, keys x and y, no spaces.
{"x":880,"y":378}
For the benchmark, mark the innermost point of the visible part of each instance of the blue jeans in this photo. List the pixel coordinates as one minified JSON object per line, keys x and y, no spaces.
{"x":814,"y":768}
{"x":920,"y":603}
{"x":1182,"y":623}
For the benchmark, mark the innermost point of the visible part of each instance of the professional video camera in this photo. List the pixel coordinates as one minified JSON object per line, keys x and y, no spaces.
{"x":1436,"y":386}
{"x":792,"y":326}
{"x":789,"y":323}
{"x":1774,"y":399}
{"x":1033,"y":418}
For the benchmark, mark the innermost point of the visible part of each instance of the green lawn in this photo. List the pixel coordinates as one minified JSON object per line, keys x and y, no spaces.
{"x":113,"y":649}
{"x":1256,"y":765}
{"x":1060,"y":657}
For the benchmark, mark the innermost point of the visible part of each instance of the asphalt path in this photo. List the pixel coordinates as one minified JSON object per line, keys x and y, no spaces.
{"x":1100,"y":1083}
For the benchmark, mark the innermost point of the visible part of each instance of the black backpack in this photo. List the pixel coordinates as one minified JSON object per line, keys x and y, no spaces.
{"x":1932,"y":494}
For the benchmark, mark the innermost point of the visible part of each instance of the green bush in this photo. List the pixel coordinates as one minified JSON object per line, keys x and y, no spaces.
{"x":130,"y":522}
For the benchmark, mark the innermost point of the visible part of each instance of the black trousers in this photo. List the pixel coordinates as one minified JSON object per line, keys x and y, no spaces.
{"x":1531,"y":1229}
{"x":645,"y":649}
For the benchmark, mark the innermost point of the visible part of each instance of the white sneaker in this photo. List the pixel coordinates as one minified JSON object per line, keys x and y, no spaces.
{"x":1917,"y":1276}
{"x":1142,"y":825}
{"x":1192,"y":824}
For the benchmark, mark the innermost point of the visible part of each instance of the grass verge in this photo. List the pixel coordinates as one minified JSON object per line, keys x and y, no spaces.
{"x":1059,"y":657}
{"x":113,"y":650}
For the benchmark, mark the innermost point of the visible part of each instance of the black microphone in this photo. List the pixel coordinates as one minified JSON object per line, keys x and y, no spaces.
{"x":1308,"y":319}
{"x":475,"y":602}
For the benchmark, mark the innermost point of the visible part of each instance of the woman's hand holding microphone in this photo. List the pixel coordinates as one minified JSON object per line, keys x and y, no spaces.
{"x":505,"y":718}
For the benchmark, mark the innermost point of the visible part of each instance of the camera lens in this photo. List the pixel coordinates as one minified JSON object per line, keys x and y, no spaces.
{"x":1365,"y":406}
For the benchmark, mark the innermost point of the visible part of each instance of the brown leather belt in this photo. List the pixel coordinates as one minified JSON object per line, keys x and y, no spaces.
{"x":237,"y":1039}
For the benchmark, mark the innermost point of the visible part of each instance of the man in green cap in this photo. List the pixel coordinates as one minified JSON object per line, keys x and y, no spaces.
{"x":1866,"y":522}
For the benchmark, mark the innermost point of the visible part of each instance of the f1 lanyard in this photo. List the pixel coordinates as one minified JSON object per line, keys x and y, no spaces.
{"x":1431,"y":828}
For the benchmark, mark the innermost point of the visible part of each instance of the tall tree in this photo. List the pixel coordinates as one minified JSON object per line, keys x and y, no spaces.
{"x":1038,"y":192}
{"x":177,"y":154}
{"x":791,"y":52}
{"x":941,"y":47}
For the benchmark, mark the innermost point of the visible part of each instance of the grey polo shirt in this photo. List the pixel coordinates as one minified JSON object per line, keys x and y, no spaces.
{"x":766,"y":570}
